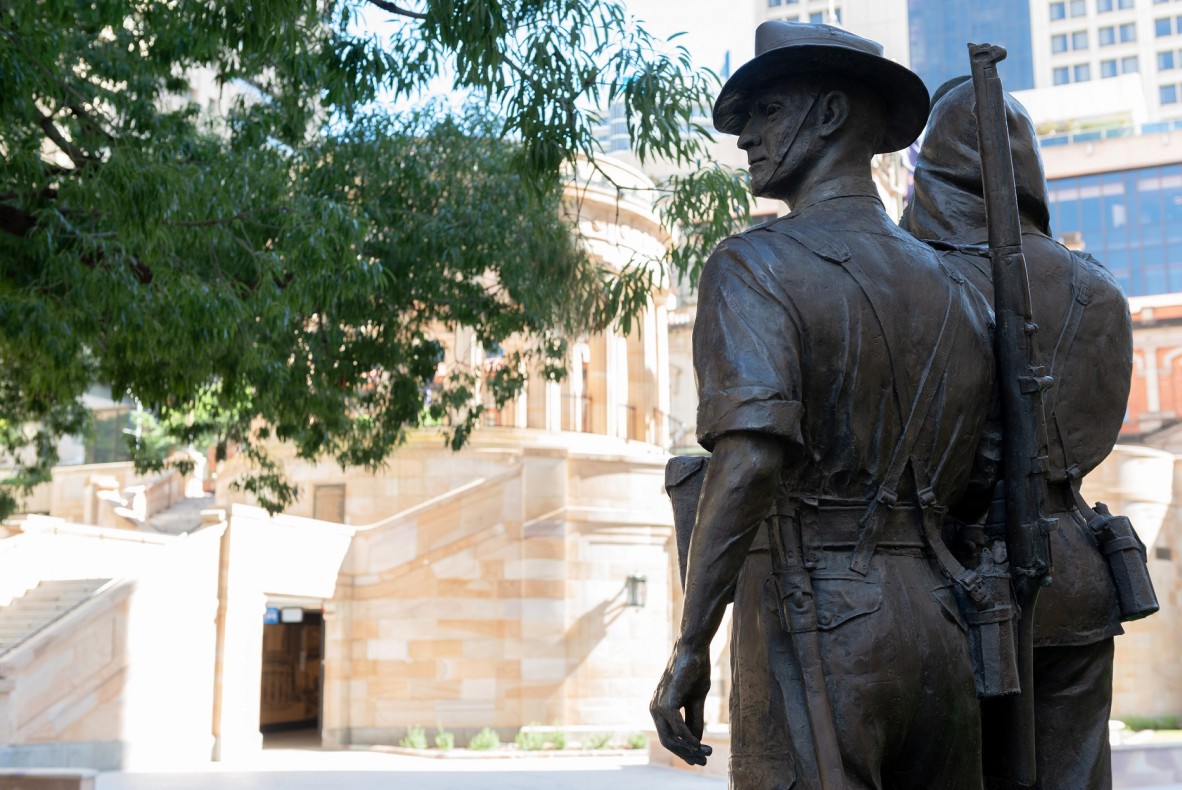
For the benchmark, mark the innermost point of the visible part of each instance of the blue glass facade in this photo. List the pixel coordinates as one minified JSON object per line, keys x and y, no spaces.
{"x":1130,"y":220}
{"x":940,"y":31}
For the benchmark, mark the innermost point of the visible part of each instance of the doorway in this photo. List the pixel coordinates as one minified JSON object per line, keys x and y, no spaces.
{"x":293,"y":669}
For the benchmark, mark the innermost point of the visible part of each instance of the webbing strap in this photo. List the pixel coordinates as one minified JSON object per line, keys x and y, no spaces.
{"x":1082,"y":288}
{"x":933,"y":373}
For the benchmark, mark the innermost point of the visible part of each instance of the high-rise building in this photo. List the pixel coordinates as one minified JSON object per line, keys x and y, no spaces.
{"x":1120,"y":199}
{"x":927,"y":35}
{"x":1050,"y":42}
{"x":939,"y":32}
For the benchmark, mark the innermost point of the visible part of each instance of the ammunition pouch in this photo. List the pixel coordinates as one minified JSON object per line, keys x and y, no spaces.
{"x":1127,"y":562}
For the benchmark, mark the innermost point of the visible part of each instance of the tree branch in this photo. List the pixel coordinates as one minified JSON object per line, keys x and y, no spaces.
{"x":76,"y":154}
{"x":88,"y":121}
{"x":385,"y":5}
{"x":15,"y":221}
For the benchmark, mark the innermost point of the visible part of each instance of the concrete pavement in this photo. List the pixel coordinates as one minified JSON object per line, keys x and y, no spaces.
{"x":282,"y":769}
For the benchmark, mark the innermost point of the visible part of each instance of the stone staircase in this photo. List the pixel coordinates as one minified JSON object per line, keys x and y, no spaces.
{"x":40,"y":606}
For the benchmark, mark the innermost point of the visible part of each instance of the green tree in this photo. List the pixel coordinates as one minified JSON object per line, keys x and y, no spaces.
{"x":278,"y":269}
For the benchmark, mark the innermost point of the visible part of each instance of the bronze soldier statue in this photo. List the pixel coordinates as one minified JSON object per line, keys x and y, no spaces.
{"x":844,"y":377}
{"x":1086,"y":345}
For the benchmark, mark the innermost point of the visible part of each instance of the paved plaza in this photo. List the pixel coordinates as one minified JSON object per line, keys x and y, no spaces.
{"x":291,"y":763}
{"x":284,"y":769}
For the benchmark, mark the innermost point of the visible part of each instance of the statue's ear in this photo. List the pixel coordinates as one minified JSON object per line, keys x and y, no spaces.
{"x":834,"y":112}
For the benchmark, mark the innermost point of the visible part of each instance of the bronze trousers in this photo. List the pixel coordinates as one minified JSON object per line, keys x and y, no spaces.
{"x":897,"y":670}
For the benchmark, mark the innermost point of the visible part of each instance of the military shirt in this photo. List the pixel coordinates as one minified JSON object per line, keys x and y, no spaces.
{"x":787,"y":343}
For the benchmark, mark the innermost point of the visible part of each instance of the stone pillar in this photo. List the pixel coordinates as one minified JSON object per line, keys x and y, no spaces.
{"x":335,"y":718}
{"x":238,"y":671}
{"x":536,"y":411}
{"x":616,"y":385}
{"x":596,"y":385}
{"x":553,"y":406}
{"x":661,"y":373}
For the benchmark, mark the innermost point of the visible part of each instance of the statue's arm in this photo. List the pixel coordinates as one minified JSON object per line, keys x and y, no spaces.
{"x":738,"y":493}
{"x":746,"y":357}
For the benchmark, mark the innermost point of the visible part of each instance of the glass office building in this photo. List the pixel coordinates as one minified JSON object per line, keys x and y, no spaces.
{"x":938,"y":30}
{"x":1130,"y":220}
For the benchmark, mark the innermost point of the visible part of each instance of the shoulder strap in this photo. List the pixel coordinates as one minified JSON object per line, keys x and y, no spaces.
{"x":873,"y":519}
{"x":1083,"y":287}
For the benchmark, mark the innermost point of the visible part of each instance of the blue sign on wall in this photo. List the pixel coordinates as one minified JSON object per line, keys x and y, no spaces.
{"x":271,"y":617}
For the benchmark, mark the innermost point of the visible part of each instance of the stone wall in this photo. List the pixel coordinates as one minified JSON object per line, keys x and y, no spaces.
{"x":125,"y":679}
{"x":503,"y":604}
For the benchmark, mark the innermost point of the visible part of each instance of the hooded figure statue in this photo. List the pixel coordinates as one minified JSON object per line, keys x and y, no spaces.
{"x":1085,"y":337}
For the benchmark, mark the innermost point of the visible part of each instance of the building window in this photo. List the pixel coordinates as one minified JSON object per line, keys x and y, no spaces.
{"x":1162,"y":27}
{"x":1129,"y":65}
{"x":837,"y":16}
{"x":1062,"y":76}
{"x":1107,"y":69}
{"x":1124,"y":4}
{"x":1106,"y":36}
{"x":1168,"y":94}
{"x":1128,"y":32}
{"x":1081,"y":73}
{"x":1103,"y":6}
{"x":1058,"y":11}
{"x":817,"y":18}
{"x":1078,"y":7}
{"x":772,"y":3}
{"x":1079,"y":40}
{"x":1059,"y":43}
{"x":1165,"y":61}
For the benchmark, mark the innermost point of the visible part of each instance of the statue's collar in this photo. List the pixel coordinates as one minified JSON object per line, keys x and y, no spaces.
{"x":829,"y":199}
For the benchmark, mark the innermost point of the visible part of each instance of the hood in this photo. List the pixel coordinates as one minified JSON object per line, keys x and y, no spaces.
{"x":946,"y":202}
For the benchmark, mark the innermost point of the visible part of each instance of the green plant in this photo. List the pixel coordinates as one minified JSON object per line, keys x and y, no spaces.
{"x":637,"y":741}
{"x":530,"y":740}
{"x":416,"y":738}
{"x":557,"y":739}
{"x":1166,"y":722}
{"x":445,"y":740}
{"x":485,"y":740}
{"x":599,"y":740}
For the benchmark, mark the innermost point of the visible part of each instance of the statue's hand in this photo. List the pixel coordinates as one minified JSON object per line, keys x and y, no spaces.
{"x":684,"y":685}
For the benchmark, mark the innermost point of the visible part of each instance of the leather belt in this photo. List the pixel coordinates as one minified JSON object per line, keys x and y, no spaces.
{"x":837,"y":527}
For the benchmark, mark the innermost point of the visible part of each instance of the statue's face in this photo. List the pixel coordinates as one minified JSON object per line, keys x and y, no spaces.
{"x":775,"y":138}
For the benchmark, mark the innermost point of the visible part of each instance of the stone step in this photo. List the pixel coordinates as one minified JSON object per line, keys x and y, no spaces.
{"x":41,"y":606}
{"x":60,"y":587}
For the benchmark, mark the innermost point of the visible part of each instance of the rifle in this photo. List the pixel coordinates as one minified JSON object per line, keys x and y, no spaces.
{"x":1022,"y":383}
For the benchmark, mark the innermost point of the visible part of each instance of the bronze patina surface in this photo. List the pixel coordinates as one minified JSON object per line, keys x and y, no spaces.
{"x":845,"y":378}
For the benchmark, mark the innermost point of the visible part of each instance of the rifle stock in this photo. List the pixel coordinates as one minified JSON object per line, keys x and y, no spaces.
{"x":1009,"y":750}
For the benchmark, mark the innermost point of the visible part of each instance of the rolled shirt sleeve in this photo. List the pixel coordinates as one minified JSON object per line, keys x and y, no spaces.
{"x":746,"y":348}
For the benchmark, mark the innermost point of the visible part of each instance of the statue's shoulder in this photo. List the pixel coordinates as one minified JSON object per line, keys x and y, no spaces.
{"x":1092,"y":284}
{"x":808,"y":234}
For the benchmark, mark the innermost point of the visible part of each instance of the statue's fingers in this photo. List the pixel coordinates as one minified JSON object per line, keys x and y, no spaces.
{"x":695,"y":714}
{"x":677,"y":737}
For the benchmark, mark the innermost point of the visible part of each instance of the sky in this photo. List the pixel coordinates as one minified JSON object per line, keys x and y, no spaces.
{"x":710,"y":32}
{"x":712,"y":28}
